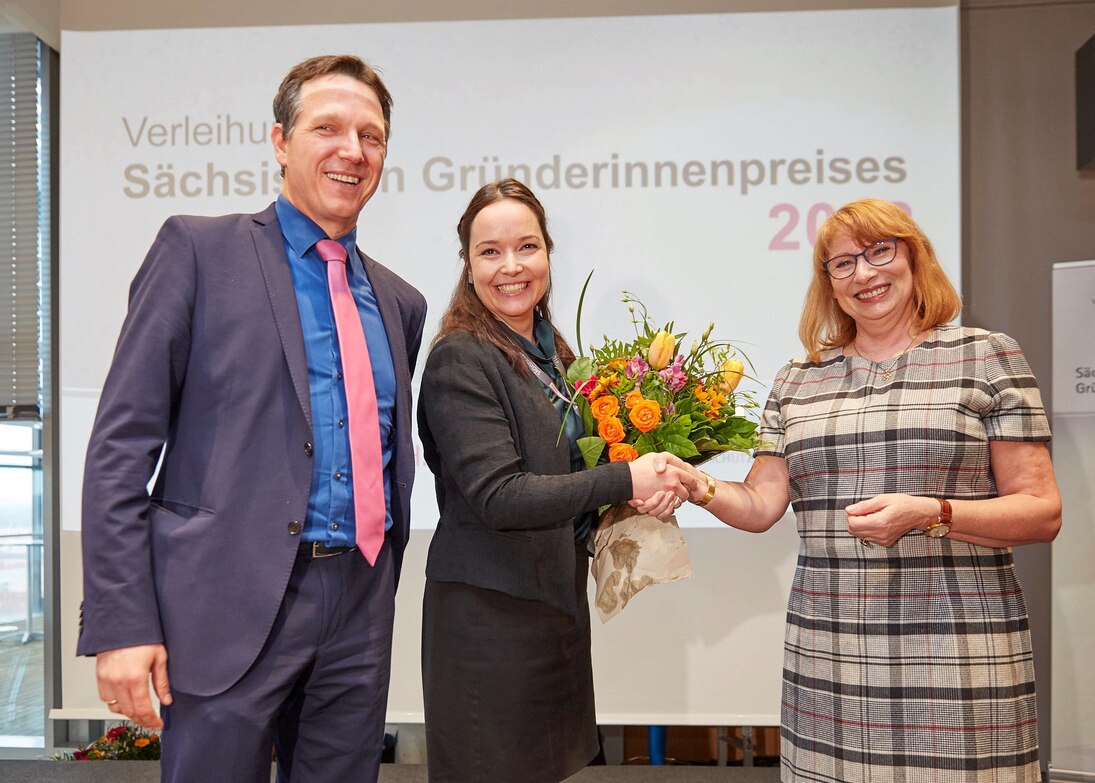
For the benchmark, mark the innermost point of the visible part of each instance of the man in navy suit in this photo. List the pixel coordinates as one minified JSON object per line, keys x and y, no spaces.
{"x":236,"y":587}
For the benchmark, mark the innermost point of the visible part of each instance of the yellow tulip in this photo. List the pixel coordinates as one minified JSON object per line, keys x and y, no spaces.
{"x":730,"y":374}
{"x":660,"y":352}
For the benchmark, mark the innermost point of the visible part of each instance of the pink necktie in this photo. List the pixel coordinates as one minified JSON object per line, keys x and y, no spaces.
{"x":366,"y":461}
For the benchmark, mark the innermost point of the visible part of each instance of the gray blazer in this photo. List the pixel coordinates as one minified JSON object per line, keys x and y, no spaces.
{"x":505,"y":492}
{"x":210,"y":362}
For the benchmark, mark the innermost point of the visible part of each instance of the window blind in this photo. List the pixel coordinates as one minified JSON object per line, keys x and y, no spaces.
{"x":21,"y":186}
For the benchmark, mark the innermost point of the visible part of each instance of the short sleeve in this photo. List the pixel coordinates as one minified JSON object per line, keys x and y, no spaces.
{"x":1015,"y":411}
{"x":772,"y":434}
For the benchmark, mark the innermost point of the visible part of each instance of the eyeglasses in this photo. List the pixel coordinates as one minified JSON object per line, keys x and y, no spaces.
{"x":880,"y":253}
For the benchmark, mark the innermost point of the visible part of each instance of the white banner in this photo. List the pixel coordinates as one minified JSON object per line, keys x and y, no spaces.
{"x":1073,"y":725}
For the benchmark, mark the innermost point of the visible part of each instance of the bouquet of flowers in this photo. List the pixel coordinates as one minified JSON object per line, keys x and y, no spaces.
{"x":125,"y":741}
{"x":647,"y":395}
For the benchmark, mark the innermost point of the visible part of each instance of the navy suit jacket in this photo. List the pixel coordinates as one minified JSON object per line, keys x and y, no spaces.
{"x":210,"y":362}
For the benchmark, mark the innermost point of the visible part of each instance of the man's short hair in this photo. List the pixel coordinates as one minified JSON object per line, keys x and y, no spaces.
{"x":287,"y":101}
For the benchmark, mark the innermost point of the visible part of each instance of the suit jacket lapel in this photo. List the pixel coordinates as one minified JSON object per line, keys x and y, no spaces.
{"x":391,"y":315}
{"x":270,"y":252}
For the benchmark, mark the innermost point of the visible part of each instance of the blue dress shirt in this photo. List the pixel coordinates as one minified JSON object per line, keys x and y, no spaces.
{"x":330,"y":516}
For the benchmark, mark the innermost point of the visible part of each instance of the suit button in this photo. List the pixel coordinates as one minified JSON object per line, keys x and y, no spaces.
{"x":295,"y":528}
{"x":308,"y":449}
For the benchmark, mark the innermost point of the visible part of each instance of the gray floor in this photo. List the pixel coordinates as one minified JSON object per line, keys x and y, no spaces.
{"x":148,"y":772}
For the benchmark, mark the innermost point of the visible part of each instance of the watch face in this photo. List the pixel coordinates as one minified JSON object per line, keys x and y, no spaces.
{"x":938,"y":530}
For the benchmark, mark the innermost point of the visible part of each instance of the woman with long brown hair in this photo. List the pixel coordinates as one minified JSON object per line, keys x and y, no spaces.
{"x":506,"y":670}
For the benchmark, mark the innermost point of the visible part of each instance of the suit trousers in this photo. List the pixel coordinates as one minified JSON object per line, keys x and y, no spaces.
{"x":318,"y":691}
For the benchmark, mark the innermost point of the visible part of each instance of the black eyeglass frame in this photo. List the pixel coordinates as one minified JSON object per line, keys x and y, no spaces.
{"x":890,"y":241}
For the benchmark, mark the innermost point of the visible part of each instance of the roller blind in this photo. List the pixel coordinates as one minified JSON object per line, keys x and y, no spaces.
{"x":21,"y":246}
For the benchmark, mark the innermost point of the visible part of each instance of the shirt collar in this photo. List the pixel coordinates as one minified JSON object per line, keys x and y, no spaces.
{"x":302,"y":233}
{"x":544,"y":347}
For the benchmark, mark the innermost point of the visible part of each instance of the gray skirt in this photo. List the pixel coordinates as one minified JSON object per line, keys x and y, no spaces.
{"x":507,"y":685}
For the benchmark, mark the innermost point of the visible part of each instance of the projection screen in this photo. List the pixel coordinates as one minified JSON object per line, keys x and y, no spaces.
{"x":688,"y":159}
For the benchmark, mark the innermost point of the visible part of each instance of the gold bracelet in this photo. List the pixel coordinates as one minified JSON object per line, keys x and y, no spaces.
{"x":710,"y":494}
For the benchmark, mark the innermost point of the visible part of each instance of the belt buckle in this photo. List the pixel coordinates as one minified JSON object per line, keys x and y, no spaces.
{"x":318,"y":551}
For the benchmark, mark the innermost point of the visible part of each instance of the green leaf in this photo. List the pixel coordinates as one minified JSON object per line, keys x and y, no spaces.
{"x":579,"y":370}
{"x":680,"y":425}
{"x":578,"y":318}
{"x":588,"y":421}
{"x":680,"y":446}
{"x":592,"y":448}
{"x":645,"y":444}
{"x":734,"y":427}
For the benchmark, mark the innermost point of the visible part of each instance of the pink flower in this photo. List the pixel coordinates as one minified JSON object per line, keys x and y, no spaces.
{"x":636,"y":368}
{"x":587,"y":387}
{"x":674,"y":376}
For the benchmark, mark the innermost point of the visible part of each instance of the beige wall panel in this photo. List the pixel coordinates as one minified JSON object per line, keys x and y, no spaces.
{"x":1025,"y":206}
{"x":41,"y":17}
{"x":134,"y":14}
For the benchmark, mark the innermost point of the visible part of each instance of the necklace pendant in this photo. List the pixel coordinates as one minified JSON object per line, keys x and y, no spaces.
{"x":888,"y":375}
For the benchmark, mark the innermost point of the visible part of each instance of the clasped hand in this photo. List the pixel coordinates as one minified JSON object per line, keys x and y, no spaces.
{"x":884,"y":519}
{"x":659,"y":488}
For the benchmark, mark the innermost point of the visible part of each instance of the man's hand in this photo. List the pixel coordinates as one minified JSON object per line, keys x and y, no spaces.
{"x":123,"y":676}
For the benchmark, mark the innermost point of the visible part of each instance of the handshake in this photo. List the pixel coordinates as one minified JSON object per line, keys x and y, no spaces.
{"x":661,"y":482}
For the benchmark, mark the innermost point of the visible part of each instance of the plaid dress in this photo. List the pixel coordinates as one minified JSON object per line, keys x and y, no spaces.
{"x":911,"y":663}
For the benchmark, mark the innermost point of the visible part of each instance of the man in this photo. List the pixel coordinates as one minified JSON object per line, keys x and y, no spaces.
{"x":239,"y":586}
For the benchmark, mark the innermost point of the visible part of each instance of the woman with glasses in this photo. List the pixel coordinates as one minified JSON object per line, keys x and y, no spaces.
{"x":914,"y":455}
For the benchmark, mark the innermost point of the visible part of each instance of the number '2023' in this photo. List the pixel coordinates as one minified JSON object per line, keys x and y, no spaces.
{"x":815,"y":216}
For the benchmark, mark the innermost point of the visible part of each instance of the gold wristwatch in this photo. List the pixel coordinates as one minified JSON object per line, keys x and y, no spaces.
{"x":942,"y":524}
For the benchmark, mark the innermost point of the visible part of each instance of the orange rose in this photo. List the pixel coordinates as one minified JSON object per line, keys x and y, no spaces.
{"x":622,"y":452}
{"x":603,"y":407}
{"x":633,"y":398}
{"x":611,"y":429}
{"x":646,"y":415}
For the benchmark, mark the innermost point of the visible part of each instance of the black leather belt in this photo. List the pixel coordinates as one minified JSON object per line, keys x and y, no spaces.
{"x":314,"y":549}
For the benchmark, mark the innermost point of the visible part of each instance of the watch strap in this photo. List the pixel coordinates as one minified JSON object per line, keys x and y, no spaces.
{"x":942,"y":524}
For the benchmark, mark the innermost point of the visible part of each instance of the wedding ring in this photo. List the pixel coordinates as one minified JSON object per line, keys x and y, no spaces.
{"x":112,"y":702}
